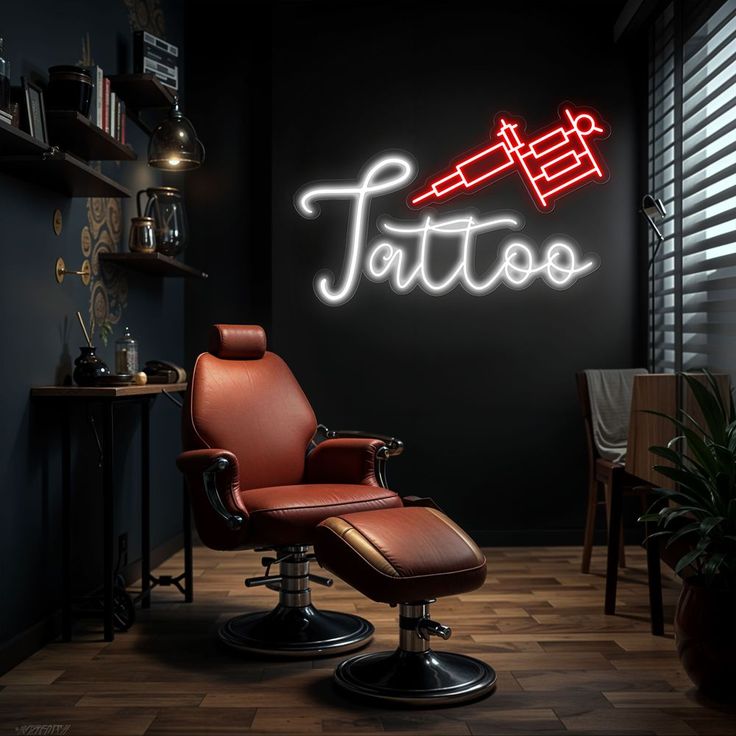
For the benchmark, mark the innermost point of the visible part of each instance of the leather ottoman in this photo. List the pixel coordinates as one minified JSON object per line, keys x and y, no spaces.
{"x":407,"y":557}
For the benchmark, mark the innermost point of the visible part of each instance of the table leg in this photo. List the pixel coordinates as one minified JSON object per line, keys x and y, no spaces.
{"x":187,"y":522}
{"x":108,"y":479}
{"x":66,"y":524}
{"x":654,"y":576}
{"x":146,"y":504}
{"x":614,"y":548}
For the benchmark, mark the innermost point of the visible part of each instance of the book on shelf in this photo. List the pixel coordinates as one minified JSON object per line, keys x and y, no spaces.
{"x":113,"y":114}
{"x":98,"y":77}
{"x":106,"y":105}
{"x":121,"y":121}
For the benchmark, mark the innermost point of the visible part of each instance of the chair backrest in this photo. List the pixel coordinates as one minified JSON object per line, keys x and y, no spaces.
{"x":584,"y":399}
{"x":244,"y":399}
{"x":606,"y":422}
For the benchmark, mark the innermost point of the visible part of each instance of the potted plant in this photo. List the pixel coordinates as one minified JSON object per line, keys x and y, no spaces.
{"x":699,"y":522}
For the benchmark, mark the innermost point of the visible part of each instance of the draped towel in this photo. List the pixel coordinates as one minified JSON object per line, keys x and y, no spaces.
{"x":610,"y":404}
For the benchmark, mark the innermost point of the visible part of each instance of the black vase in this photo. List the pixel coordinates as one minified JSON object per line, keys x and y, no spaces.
{"x":70,"y":88}
{"x":89,"y":368}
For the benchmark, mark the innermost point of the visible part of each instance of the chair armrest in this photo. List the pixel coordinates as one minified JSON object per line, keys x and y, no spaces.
{"x":393,"y":445}
{"x":353,"y":460}
{"x":197,"y":461}
{"x":202,"y":469}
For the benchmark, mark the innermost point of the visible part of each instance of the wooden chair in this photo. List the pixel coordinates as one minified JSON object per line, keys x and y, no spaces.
{"x":616,"y":483}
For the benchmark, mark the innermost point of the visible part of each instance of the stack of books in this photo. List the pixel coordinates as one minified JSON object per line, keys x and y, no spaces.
{"x":107,"y":111}
{"x":6,"y":117}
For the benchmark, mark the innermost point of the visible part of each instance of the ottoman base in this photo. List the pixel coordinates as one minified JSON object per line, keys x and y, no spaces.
{"x":416,"y":678}
{"x":291,"y":631}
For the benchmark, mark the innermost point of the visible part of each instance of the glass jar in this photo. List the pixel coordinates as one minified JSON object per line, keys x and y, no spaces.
{"x":4,"y":81}
{"x":142,"y":235}
{"x":165,"y":206}
{"x":126,"y":354}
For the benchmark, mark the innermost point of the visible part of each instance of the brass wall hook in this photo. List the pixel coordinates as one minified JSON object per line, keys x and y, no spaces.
{"x":60,"y":271}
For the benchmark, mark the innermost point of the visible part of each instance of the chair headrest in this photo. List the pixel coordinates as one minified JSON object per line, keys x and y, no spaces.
{"x":243,"y":342}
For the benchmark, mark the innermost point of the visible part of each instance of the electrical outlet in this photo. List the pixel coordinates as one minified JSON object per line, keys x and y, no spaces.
{"x":123,"y":548}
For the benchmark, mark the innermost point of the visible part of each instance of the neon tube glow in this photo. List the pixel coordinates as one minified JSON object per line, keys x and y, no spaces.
{"x":401,"y":254}
{"x":557,"y":161}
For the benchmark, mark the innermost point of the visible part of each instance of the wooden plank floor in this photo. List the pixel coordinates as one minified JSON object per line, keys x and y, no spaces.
{"x":563,"y":667}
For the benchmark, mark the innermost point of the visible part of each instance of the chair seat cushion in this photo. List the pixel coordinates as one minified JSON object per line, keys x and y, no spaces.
{"x":289,"y":514}
{"x":400,"y":555}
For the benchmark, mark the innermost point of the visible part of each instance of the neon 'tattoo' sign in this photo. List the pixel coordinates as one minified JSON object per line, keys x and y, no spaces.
{"x":554,"y":163}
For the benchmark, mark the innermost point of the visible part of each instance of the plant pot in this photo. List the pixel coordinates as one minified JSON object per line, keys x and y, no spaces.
{"x":705,"y":632}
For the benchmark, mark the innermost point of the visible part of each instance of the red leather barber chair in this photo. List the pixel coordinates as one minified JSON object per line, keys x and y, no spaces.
{"x":259,"y":478}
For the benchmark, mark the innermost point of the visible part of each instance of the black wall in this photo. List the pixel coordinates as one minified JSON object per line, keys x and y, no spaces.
{"x":228,"y":91}
{"x":40,"y":338}
{"x":481,"y":389}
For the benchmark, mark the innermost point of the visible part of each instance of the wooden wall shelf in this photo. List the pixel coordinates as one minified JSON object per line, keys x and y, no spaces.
{"x":14,"y":142}
{"x":72,"y":131}
{"x":26,"y":158}
{"x":155,"y":264}
{"x":141,"y":91}
{"x":63,"y":173}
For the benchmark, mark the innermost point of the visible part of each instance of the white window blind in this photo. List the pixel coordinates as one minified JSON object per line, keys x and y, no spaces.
{"x":692,"y":167}
{"x":663,"y":141}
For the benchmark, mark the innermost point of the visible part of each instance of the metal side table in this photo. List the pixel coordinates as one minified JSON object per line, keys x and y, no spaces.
{"x":68,"y":398}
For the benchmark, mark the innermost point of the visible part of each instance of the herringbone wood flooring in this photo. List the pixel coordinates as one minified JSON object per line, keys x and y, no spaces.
{"x":563,"y":666}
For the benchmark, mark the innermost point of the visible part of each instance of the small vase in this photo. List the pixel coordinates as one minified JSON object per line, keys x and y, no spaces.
{"x":89,"y":368}
{"x":705,"y":632}
{"x":69,"y":88}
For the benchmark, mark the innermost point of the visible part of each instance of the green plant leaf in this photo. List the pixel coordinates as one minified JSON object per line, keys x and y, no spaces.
{"x":664,"y":533}
{"x":692,"y":422}
{"x":678,"y":497}
{"x":688,"y":529}
{"x":667,"y":453}
{"x":713,"y":411}
{"x":700,"y":451}
{"x":687,"y":559}
{"x":681,"y":511}
{"x":712,"y":565}
{"x":694,"y":484}
{"x":701,"y":464}
{"x":726,"y":407}
{"x":709,"y":524}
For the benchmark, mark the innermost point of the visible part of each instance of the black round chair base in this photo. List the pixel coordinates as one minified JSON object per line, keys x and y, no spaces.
{"x":416,"y":678}
{"x":296,"y":632}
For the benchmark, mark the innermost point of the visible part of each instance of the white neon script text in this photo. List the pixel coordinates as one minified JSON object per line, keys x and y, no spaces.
{"x":405,"y":267}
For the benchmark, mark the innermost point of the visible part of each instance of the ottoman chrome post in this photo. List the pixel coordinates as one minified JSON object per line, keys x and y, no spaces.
{"x":415,"y":674}
{"x":294,"y":628}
